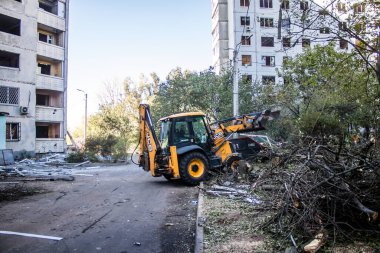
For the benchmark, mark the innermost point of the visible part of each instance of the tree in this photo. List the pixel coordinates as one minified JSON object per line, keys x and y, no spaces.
{"x":204,"y":91}
{"x":347,"y":22}
{"x":326,"y":91}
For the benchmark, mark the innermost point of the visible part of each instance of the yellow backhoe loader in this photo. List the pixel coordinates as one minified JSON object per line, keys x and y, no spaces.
{"x":188,"y":146}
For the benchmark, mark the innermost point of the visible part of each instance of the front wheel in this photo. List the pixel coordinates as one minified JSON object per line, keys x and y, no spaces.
{"x":193,"y":168}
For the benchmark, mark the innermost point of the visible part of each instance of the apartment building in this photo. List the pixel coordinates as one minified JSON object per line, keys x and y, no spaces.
{"x":265,"y":33}
{"x":33,"y":74}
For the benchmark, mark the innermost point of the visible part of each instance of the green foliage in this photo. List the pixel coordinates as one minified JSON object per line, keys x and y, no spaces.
{"x":114,"y":127}
{"x":205,"y":91}
{"x":324,"y":92}
{"x":76,"y":157}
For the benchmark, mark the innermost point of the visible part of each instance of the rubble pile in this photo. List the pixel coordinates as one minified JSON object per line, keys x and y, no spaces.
{"x":49,"y":168}
{"x":313,"y":194}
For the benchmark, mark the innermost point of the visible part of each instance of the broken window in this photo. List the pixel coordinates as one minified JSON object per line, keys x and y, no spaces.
{"x":245,"y":21}
{"x":10,"y":25}
{"x":267,"y":41}
{"x":304,"y":5}
{"x":9,"y":95}
{"x":45,"y":69}
{"x":266,"y":22}
{"x":343,"y":44}
{"x":45,"y":38}
{"x":286,"y":42}
{"x":359,"y":8}
{"x":13,"y":131}
{"x":343,"y":26}
{"x":266,"y":3}
{"x":268,"y":61}
{"x":42,"y":99}
{"x":244,"y":3}
{"x":324,"y":30}
{"x":246,"y":60}
{"x":246,"y":40}
{"x":48,"y":130}
{"x":305,"y":42}
{"x":268,"y":80}
{"x":342,"y":7}
{"x":285,"y":5}
{"x":8,"y":59}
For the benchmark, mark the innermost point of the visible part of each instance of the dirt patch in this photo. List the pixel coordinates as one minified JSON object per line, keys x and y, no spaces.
{"x":229,"y":226}
{"x":15,"y":190}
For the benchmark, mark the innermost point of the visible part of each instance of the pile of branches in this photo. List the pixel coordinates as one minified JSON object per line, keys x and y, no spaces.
{"x":321,"y":193}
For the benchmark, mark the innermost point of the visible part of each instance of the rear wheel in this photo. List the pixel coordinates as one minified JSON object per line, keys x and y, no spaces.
{"x":193,"y":168}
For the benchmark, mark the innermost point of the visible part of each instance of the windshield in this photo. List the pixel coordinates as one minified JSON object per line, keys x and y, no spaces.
{"x":164,"y":133}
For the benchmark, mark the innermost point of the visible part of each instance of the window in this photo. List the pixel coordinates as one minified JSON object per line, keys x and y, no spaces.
{"x":324,"y":30}
{"x":266,"y":3}
{"x":267,"y":41}
{"x":42,"y":100}
{"x":268,"y":61}
{"x":305,"y":42}
{"x":246,"y":60}
{"x":266,"y":22}
{"x":245,"y":21}
{"x":343,"y":44}
{"x":343,"y":26}
{"x":246,"y":78}
{"x":285,"y":5}
{"x":181,"y":132}
{"x":200,"y":132}
{"x":244,"y":3}
{"x":304,"y":5}
{"x":45,"y":38}
{"x":285,"y":23}
{"x":323,"y":12}
{"x":246,"y":40}
{"x":45,"y":69}
{"x":342,"y":7}
{"x":286,"y":42}
{"x":8,"y":59}
{"x":48,"y":130}
{"x":10,"y":25}
{"x":9,"y":95}
{"x":267,"y":80}
{"x":13,"y":132}
{"x":359,"y":8}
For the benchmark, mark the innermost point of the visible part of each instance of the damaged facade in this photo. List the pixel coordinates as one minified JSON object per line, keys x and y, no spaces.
{"x":33,"y":74}
{"x":266,"y":33}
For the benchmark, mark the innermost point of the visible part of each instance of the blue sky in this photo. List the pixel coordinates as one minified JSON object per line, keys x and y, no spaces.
{"x":112,"y":40}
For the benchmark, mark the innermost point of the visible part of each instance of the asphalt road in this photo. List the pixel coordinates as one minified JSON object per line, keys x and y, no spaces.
{"x":117,"y":209}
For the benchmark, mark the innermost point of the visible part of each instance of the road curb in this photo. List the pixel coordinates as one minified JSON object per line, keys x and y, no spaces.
{"x":199,"y":224}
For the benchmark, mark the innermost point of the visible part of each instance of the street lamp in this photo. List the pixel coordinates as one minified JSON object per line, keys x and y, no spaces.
{"x":85,"y":115}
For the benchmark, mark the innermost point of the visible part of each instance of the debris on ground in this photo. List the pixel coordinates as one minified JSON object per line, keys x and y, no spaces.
{"x":309,"y":197}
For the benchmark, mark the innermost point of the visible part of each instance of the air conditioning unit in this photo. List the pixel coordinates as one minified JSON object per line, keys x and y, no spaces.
{"x":248,"y":29}
{"x":24,"y":110}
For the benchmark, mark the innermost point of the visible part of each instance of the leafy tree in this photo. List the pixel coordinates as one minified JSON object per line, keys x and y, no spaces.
{"x":326,"y":92}
{"x":355,"y":23}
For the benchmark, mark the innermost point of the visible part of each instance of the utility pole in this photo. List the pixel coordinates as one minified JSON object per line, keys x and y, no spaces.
{"x":235,"y":85}
{"x":85,"y":115}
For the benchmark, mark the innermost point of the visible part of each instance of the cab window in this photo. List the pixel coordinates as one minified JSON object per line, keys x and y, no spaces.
{"x":200,"y":133}
{"x":181,"y":132}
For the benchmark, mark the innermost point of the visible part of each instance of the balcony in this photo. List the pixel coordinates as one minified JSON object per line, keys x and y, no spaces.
{"x":47,"y":82}
{"x":44,"y":113}
{"x":50,"y":51}
{"x":51,"y":20}
{"x":50,"y":145}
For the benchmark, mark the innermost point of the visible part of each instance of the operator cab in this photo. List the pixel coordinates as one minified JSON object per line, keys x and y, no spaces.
{"x":185,"y":130}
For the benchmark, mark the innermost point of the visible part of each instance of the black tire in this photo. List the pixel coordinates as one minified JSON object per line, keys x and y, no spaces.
{"x":193,"y":168}
{"x":168,"y":177}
